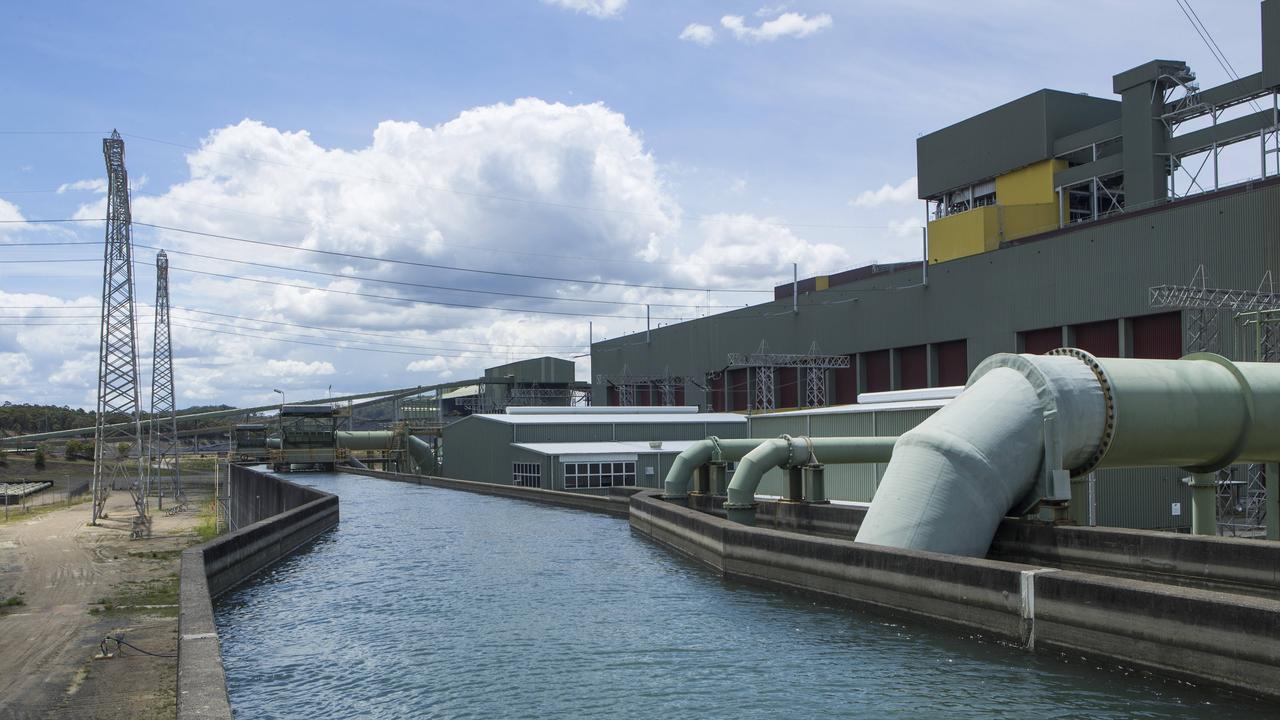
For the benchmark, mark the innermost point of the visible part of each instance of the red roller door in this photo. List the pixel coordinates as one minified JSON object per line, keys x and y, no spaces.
{"x":788,"y":387}
{"x":953,"y":362}
{"x":913,"y":367}
{"x":680,"y":392}
{"x":1157,"y":336}
{"x":611,"y":395}
{"x":1100,"y":338}
{"x":715,"y":385}
{"x":738,"y":389}
{"x":846,"y":380}
{"x":642,"y":394}
{"x":1039,"y":342}
{"x":877,"y":370}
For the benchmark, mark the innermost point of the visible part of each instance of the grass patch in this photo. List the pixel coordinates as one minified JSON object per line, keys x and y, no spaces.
{"x":165,"y":555}
{"x":16,"y":513}
{"x":12,"y":602}
{"x":160,"y":591}
{"x":206,"y":527}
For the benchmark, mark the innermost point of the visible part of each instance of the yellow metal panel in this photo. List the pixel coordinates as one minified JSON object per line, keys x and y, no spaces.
{"x":1031,"y":185}
{"x":1019,"y":221}
{"x":967,"y":233}
{"x":822,"y":282}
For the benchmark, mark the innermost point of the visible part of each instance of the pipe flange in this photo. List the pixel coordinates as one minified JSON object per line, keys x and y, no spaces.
{"x":1108,"y":397}
{"x":1249,"y":412}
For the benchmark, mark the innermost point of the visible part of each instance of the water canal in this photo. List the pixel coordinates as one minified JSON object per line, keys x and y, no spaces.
{"x":430,"y":603}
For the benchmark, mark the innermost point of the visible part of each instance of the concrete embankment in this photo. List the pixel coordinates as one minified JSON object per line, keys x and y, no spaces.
{"x":1199,"y":635}
{"x":271,"y":519}
{"x":615,"y":503}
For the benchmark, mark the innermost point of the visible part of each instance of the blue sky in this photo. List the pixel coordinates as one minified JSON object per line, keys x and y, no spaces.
{"x":716,"y":153}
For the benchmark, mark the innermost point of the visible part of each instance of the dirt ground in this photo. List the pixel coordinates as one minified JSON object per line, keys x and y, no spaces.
{"x":66,"y":585}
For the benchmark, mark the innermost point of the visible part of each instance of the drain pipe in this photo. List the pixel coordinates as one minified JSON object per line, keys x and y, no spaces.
{"x":713,"y":449}
{"x":1026,"y":424}
{"x":789,"y":452}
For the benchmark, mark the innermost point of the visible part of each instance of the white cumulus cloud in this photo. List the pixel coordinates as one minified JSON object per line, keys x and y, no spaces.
{"x":594,"y":8}
{"x":788,"y":24}
{"x":887,"y":194}
{"x":288,"y":369}
{"x":698,"y":33}
{"x":97,"y":185}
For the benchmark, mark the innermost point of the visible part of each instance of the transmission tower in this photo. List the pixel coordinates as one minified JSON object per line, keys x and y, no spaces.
{"x":163,"y":442}
{"x":118,"y":355}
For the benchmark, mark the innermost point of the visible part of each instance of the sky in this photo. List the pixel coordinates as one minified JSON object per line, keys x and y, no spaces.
{"x":488,"y":181}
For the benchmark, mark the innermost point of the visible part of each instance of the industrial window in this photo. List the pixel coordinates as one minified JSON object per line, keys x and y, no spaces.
{"x":579,"y":475}
{"x":526,"y":474}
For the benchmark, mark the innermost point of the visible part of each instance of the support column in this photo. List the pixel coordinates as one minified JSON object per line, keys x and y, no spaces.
{"x":1078,"y":510}
{"x":719,"y":484}
{"x":815,"y":489}
{"x":702,"y":481}
{"x":1204,"y":504}
{"x":1273,"y":501}
{"x":794,"y":490}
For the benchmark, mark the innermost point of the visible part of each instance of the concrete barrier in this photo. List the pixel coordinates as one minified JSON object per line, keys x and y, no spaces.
{"x":1195,"y":634}
{"x":273,"y":518}
{"x":615,"y":503}
{"x":1237,"y":565}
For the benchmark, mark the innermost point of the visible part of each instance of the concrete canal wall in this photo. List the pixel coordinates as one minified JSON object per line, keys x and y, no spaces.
{"x":615,"y":503}
{"x":1199,"y":635}
{"x":271,"y":518}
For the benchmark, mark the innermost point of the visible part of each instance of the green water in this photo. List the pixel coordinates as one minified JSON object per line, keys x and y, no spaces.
{"x":430,"y":603}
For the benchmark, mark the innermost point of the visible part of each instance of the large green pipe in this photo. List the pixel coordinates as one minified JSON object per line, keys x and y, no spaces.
{"x":1027,"y":418}
{"x":676,"y":484}
{"x":786,"y":452}
{"x":424,"y":458}
{"x":365,"y":439}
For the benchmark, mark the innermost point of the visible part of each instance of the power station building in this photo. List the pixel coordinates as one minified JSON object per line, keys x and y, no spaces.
{"x":1051,"y":220}
{"x":1057,"y":219}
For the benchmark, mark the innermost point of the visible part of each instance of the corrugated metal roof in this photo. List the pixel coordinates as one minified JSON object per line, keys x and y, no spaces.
{"x":618,"y":418}
{"x":604,"y":448}
{"x":464,"y":391}
{"x":864,"y":408}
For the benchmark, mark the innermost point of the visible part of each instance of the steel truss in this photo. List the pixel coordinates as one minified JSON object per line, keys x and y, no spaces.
{"x":812,"y":366}
{"x":664,"y":385}
{"x":1241,"y":503}
{"x":118,"y":356}
{"x":1205,"y":305}
{"x":162,"y":444}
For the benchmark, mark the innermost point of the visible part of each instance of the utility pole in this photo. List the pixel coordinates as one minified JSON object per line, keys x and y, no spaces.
{"x":118,"y":354}
{"x":164,"y":417}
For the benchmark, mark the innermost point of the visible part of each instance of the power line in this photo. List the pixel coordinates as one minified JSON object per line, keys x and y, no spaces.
{"x":1214,"y":49}
{"x":470,"y":247}
{"x":428,"y":286}
{"x":435,"y":266}
{"x":354,"y":293}
{"x":334,"y":346}
{"x":389,"y":336}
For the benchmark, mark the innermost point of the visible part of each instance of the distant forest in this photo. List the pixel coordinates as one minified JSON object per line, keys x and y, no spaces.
{"x":24,"y":418}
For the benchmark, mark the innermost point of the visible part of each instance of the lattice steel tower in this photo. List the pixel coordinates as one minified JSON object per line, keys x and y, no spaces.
{"x":163,"y":442}
{"x":119,"y":426}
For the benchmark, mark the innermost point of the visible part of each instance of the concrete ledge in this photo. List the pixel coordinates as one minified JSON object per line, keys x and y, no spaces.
{"x":1210,"y":563}
{"x":294,"y":516}
{"x":966,"y":592}
{"x":1196,"y":635}
{"x":1199,"y":635}
{"x":1237,"y":565}
{"x":615,"y":503}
